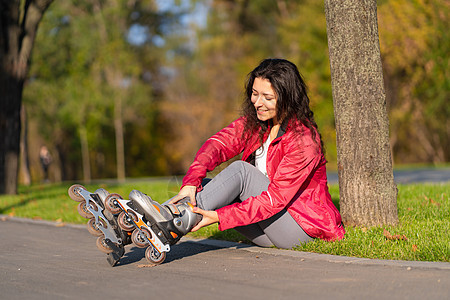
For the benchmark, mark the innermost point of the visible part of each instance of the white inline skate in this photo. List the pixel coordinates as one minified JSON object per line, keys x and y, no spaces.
{"x":150,"y":224}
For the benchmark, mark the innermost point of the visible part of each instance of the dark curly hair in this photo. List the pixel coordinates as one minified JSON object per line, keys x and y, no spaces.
{"x":292,"y":99}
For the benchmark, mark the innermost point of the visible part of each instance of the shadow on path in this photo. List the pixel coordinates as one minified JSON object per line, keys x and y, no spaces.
{"x":179,"y":251}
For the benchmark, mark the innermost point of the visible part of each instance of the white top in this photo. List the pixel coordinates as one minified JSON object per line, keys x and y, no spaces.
{"x":261,"y":156}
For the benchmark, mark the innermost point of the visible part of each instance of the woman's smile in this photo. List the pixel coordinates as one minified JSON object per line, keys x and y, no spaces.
{"x":264,"y":99}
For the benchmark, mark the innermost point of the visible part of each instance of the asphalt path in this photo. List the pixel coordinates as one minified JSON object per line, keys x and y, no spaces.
{"x":45,"y":260}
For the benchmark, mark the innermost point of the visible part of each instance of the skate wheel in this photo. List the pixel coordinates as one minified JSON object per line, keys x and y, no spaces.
{"x":124,"y":223}
{"x":109,"y":203}
{"x":102,"y":246}
{"x":94,"y":229}
{"x":83,"y":210}
{"x":74,"y":192}
{"x":138,"y":239}
{"x":154,"y":257}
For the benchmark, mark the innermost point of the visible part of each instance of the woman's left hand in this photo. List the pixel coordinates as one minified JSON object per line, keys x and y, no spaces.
{"x":209,"y":217}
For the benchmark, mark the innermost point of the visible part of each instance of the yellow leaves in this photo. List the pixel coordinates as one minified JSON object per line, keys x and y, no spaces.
{"x":12,"y":213}
{"x":405,"y":31}
{"x":60,"y":223}
{"x":391,"y":237}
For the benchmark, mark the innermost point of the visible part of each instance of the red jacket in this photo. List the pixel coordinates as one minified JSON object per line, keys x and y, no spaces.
{"x":298,"y":180}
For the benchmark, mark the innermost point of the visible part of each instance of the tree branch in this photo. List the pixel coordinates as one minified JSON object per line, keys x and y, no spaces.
{"x":33,"y":12}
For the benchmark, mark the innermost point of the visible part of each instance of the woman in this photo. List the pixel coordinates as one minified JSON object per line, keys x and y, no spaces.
{"x":277,"y":194}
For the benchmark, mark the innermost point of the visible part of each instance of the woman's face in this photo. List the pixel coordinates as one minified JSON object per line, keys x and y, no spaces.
{"x":264,"y":99}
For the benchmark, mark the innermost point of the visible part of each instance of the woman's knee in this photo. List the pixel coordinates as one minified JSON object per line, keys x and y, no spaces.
{"x":238,"y":165}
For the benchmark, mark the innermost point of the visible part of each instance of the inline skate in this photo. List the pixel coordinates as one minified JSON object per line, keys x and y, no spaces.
{"x":111,"y":239}
{"x":140,"y":220}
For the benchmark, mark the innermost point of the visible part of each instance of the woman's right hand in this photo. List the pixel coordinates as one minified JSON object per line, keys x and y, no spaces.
{"x":186,"y":191}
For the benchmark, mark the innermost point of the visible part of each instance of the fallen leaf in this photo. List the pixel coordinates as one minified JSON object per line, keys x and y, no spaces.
{"x":391,"y":237}
{"x":146,"y":266}
{"x":431,"y":201}
{"x":414,"y":248}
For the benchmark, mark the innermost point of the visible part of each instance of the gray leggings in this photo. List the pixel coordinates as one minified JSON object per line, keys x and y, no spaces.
{"x":238,"y":182}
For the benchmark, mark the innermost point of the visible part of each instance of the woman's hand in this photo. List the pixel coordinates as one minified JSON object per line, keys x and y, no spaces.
{"x":209,"y":217}
{"x":186,"y":191}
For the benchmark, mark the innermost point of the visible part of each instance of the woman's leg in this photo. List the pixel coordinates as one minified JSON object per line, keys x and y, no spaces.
{"x":283,"y":231}
{"x":238,"y":182}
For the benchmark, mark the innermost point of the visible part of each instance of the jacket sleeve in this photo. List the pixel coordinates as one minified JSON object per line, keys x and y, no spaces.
{"x":292,"y":176}
{"x":219,"y":148}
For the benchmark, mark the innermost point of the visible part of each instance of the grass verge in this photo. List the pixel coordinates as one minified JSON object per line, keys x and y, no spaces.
{"x":423,"y":232}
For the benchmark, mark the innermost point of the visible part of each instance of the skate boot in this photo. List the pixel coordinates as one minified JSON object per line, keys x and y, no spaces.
{"x":174,"y":220}
{"x":151,"y":224}
{"x":102,"y":223}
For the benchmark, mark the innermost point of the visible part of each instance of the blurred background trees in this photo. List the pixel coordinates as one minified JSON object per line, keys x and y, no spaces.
{"x":415,"y":45}
{"x":133,"y":88}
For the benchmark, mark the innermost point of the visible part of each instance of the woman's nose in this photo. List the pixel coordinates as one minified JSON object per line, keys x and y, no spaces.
{"x":258,"y":101}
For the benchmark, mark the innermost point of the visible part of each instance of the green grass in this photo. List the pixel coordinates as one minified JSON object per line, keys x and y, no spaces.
{"x":424,"y":219}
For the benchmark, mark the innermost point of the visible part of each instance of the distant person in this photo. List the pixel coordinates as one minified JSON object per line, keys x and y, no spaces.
{"x":277,"y":194}
{"x":46,"y":160}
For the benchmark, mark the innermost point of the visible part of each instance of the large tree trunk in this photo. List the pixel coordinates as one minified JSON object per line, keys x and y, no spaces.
{"x":368,"y":194}
{"x":18,"y":27}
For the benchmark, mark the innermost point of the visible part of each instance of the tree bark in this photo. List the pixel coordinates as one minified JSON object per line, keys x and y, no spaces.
{"x":368,"y":194}
{"x":24,"y":159}
{"x":114,"y":79}
{"x":85,"y":153}
{"x":18,"y":30}
{"x":120,"y":149}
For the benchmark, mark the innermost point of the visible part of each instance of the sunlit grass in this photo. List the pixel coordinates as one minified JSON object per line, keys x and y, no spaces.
{"x":422,"y":233}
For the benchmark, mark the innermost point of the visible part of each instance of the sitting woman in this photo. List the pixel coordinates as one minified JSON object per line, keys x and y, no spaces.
{"x":277,"y":194}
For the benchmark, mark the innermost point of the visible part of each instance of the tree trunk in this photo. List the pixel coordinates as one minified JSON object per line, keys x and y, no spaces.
{"x":24,"y":159}
{"x":114,"y":78}
{"x":85,"y":154}
{"x":120,"y":149}
{"x":368,"y":194}
{"x":10,"y":126}
{"x":18,"y":28}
